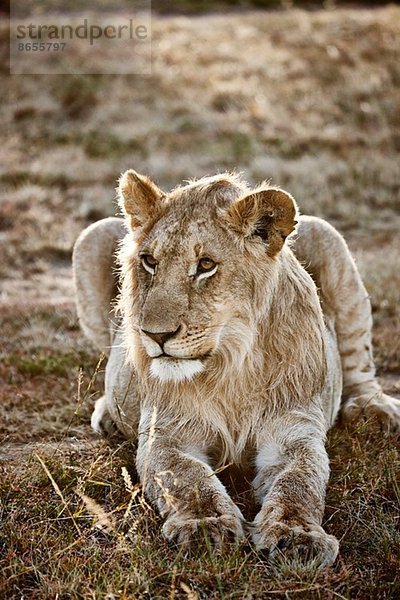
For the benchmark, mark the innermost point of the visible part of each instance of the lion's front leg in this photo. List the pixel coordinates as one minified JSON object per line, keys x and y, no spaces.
{"x":101,"y":420}
{"x":186,"y":492}
{"x":291,"y":484}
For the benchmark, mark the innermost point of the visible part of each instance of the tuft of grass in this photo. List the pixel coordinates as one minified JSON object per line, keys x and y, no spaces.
{"x":93,"y":533}
{"x":77,"y":94}
{"x":60,"y":364}
{"x":97,"y":144}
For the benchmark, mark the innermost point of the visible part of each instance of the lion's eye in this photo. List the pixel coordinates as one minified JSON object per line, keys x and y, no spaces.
{"x":149,"y":263}
{"x":206,"y":267}
{"x":205,"y":264}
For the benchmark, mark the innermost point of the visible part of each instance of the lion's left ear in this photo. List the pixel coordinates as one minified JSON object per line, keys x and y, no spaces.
{"x":269,"y":213}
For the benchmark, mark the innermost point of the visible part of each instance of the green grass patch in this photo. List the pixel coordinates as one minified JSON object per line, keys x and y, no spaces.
{"x":59,"y":363}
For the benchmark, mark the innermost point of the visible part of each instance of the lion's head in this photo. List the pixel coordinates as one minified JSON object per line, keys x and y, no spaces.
{"x":198,"y":269}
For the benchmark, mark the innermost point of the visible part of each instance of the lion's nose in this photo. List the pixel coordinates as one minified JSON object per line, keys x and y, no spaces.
{"x":161,"y":337}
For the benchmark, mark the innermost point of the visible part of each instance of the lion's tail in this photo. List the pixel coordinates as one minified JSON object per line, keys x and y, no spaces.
{"x":93,"y":262}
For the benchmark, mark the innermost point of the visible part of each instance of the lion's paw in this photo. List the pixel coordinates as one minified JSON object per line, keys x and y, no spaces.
{"x":101,"y":421}
{"x":308,"y":543}
{"x":185,"y":528}
{"x":385,"y":409}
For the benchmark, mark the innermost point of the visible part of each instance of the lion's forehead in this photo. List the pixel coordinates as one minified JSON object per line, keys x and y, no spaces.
{"x":182,"y":228}
{"x":187,"y":238}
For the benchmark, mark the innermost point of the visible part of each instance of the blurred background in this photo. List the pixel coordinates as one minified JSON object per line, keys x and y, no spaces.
{"x":307,"y":95}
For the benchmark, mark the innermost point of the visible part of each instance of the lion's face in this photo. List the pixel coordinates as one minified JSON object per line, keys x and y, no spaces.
{"x":200,"y":261}
{"x":187,"y":272}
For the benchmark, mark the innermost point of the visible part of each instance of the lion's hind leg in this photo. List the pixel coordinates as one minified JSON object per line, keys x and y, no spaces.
{"x":325,"y":255}
{"x":96,"y":288}
{"x":93,"y":263}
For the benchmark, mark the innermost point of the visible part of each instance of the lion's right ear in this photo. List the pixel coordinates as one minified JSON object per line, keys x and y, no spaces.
{"x":138,"y":197}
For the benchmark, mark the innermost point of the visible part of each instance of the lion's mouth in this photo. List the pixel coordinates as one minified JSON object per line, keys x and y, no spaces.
{"x":175,"y":352}
{"x":177,"y":358}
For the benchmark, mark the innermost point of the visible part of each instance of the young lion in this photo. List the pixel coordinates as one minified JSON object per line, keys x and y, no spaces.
{"x":221,"y":351}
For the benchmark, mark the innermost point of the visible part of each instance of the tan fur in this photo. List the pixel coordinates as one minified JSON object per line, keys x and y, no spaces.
{"x":96,"y":282}
{"x":252,"y":372}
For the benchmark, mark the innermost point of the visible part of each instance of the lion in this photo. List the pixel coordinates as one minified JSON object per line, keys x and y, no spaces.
{"x":239,"y":332}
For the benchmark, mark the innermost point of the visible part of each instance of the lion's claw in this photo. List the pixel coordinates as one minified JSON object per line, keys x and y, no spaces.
{"x":305,"y":544}
{"x":385,"y":409}
{"x":186,"y":529}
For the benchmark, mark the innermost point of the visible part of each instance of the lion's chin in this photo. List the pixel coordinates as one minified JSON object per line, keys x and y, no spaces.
{"x":175,"y":369}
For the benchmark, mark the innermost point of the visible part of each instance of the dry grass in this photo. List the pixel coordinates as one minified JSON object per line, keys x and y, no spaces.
{"x":72,"y":528}
{"x":309,"y":99}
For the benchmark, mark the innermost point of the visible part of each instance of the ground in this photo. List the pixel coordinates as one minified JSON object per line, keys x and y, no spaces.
{"x":309,"y":99}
